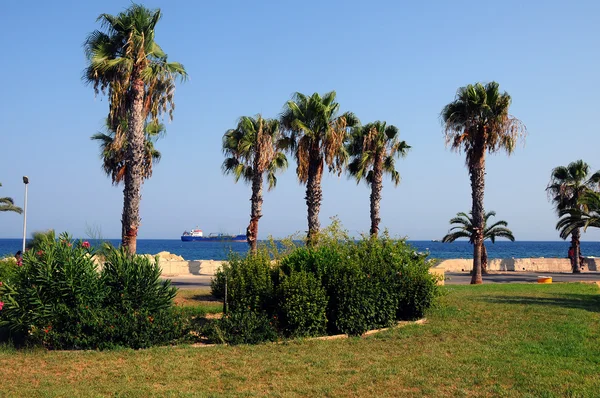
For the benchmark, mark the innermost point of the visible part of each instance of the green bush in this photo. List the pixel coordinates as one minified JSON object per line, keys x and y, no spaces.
{"x":58,"y":299}
{"x":301,"y":305}
{"x":8,"y":268}
{"x":241,"y":326}
{"x":338,"y":286}
{"x":249,"y":282}
{"x":133,"y":283}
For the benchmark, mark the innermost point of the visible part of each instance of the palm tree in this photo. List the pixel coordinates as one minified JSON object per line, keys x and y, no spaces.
{"x":373,"y":149}
{"x":465,"y":229}
{"x":478,"y":122}
{"x":252,"y":151}
{"x":567,"y":187}
{"x":576,"y":218}
{"x":316,"y":136}
{"x":8,"y":204}
{"x":113,"y":152}
{"x":128,"y":63}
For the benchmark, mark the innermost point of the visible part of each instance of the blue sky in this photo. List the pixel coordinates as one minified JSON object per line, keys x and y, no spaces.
{"x":390,"y":61}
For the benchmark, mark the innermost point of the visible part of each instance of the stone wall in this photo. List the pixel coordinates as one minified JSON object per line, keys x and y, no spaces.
{"x":520,"y":265}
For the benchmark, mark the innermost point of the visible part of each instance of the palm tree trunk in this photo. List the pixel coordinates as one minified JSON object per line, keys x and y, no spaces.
{"x":484,"y":259}
{"x":575,"y":242}
{"x":477,"y":171}
{"x":314,"y":194}
{"x":134,"y":167}
{"x":376,"y":186}
{"x":256,"y":207}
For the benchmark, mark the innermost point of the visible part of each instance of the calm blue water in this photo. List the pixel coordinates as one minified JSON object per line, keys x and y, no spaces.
{"x":220,"y":250}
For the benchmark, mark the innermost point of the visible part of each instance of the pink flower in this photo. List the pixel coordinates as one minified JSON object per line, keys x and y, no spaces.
{"x":39,"y":253}
{"x":69,"y":244}
{"x":1,"y":304}
{"x":86,"y":244}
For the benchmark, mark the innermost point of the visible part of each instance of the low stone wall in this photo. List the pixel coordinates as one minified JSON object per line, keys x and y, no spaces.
{"x":520,"y":265}
{"x":195,"y":267}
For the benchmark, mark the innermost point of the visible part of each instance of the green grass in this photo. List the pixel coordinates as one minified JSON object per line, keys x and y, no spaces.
{"x":516,"y":340}
{"x":198,"y":302}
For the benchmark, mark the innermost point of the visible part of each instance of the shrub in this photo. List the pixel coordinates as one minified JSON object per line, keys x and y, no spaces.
{"x":418,"y":290}
{"x":241,"y":326}
{"x":133,"y":283}
{"x":337,"y":286}
{"x":59,"y":300}
{"x":8,"y":268}
{"x":301,"y":305}
{"x":249,"y":282}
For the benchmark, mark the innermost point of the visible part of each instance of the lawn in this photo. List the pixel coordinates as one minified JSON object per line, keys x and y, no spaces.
{"x":488,"y":340}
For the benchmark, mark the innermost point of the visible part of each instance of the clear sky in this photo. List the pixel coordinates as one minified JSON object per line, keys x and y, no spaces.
{"x":387,"y":60}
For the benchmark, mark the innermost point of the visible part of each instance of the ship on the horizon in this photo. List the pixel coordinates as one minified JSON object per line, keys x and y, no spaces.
{"x":196,"y":235}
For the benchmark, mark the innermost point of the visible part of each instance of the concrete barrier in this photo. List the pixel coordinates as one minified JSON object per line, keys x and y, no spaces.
{"x":195,"y":267}
{"x":520,"y":265}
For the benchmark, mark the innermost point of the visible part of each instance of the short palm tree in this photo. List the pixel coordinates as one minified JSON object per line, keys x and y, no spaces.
{"x":478,"y":122}
{"x":464,"y":229}
{"x":373,"y":149}
{"x":8,"y":204}
{"x":567,"y":187}
{"x":113,"y":152}
{"x":126,"y":61}
{"x":576,"y":218}
{"x":252,"y":151}
{"x":316,"y":135}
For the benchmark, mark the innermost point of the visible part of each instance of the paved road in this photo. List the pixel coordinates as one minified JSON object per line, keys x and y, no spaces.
{"x":191,"y":281}
{"x":452,"y":278}
{"x":463,"y":278}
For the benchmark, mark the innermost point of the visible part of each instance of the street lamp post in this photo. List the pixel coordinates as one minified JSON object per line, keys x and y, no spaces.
{"x":26,"y":182}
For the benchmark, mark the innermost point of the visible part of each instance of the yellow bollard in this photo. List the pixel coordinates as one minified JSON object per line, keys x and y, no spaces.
{"x":544,"y":279}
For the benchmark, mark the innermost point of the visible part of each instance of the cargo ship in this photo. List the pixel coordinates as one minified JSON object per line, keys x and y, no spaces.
{"x":196,"y":235}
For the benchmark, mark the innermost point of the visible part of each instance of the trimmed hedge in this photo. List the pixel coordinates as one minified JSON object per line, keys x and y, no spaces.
{"x":339,"y":286}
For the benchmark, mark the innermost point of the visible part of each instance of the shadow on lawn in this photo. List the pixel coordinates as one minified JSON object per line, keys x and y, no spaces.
{"x":586,"y":302}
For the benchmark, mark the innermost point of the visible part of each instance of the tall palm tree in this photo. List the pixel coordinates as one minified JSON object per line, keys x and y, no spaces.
{"x":252,"y":151}
{"x":567,"y":187}
{"x":464,"y":229}
{"x":126,"y":61}
{"x":478,"y":122}
{"x":316,"y":137}
{"x":113,"y":152}
{"x":373,"y":149}
{"x":8,"y":204}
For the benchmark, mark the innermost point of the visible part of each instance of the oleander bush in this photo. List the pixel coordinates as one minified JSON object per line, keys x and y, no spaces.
{"x":338,"y":286}
{"x":60,"y":300}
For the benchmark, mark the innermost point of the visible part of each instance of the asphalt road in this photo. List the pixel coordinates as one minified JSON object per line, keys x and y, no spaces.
{"x":191,"y":281}
{"x":464,"y":278}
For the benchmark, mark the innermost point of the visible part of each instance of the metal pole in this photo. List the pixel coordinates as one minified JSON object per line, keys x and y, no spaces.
{"x":26,"y":182}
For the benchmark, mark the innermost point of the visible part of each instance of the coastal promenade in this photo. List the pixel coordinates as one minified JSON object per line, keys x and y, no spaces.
{"x":197,"y":274}
{"x":452,"y":278}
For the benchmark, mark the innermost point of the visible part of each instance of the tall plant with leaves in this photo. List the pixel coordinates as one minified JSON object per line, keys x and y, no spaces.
{"x":478,"y":122}
{"x":576,"y":218}
{"x":253,"y":151}
{"x":373,"y":149}
{"x":113,"y":152}
{"x":8,"y":204}
{"x":464,"y":229}
{"x":127,"y":63}
{"x":567,"y":187}
{"x":316,"y":134}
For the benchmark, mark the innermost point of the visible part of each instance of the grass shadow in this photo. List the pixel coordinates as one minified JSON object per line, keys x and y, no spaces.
{"x":586,"y":302}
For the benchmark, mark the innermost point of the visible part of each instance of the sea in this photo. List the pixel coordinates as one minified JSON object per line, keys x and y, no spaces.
{"x":438,"y":250}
